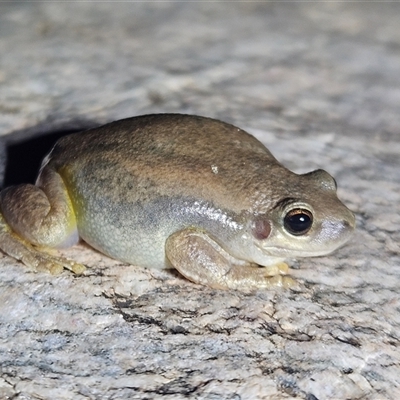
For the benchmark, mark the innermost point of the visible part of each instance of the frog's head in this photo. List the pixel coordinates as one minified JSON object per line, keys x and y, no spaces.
{"x":308,"y":220}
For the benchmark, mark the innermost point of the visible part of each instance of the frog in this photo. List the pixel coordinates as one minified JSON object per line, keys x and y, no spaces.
{"x":178,"y":191}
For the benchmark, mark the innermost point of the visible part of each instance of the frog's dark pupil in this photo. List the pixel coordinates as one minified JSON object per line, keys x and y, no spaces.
{"x":298,"y":221}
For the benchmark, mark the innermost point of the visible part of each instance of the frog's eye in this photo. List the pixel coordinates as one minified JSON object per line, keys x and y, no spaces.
{"x":298,"y":221}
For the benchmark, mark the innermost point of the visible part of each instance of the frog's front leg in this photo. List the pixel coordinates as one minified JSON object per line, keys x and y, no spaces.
{"x":37,"y":217}
{"x":202,"y":260}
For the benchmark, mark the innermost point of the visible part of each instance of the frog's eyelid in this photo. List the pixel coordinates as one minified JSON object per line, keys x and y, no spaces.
{"x":285,"y":202}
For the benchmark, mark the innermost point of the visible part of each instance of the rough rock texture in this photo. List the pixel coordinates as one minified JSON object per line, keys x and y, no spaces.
{"x":319,"y":84}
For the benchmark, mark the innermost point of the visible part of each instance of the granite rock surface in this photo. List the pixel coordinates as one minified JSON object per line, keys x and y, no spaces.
{"x":318,"y":83}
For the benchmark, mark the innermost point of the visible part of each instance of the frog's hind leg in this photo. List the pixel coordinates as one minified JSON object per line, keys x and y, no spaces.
{"x":37,"y":217}
{"x":202,"y":260}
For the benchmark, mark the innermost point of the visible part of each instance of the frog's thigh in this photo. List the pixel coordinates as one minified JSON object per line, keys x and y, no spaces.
{"x":40,"y":215}
{"x":200,"y":259}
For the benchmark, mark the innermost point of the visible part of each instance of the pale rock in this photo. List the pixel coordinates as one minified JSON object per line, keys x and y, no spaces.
{"x":319,"y":85}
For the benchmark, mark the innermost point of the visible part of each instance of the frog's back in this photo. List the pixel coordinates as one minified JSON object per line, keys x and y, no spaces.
{"x":166,"y":154}
{"x":160,"y":136}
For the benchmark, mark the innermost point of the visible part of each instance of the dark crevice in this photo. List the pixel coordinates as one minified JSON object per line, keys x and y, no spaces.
{"x":25,"y":149}
{"x":25,"y":157}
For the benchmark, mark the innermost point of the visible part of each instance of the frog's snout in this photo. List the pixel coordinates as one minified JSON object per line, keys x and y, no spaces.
{"x":337,"y":232}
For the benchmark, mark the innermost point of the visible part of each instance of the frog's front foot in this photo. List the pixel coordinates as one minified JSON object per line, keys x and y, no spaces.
{"x":202,"y":260}
{"x":32,"y":257}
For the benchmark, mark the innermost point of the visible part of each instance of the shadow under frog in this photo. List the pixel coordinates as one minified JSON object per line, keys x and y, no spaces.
{"x":172,"y":190}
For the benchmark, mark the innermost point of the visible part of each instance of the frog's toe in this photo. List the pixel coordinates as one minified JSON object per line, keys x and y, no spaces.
{"x":78,"y":269}
{"x":43,"y":261}
{"x":281,"y":281}
{"x":48,"y":266}
{"x":280,"y":268}
{"x":72,"y":266}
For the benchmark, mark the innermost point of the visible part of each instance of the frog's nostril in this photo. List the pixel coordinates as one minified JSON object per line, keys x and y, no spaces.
{"x":350,"y":223}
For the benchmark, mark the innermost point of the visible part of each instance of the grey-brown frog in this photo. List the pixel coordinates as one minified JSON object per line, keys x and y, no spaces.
{"x":180,"y":191}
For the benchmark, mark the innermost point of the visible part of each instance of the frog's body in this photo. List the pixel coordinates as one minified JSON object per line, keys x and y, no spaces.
{"x":175,"y":190}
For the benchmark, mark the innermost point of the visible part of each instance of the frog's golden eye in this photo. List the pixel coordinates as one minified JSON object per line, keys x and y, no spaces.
{"x":298,"y":221}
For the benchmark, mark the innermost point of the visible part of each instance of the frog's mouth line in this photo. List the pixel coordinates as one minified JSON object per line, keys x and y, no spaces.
{"x":284,"y":252}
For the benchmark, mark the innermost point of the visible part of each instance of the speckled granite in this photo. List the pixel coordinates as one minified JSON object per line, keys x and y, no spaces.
{"x":319,"y":84}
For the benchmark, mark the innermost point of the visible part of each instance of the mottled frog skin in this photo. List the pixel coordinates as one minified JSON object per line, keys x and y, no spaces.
{"x":172,"y":190}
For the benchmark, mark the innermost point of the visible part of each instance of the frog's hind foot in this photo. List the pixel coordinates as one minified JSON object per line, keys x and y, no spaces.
{"x":38,"y":260}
